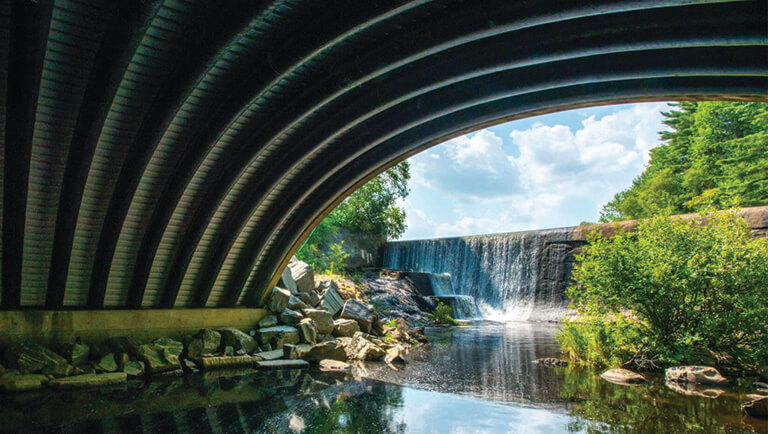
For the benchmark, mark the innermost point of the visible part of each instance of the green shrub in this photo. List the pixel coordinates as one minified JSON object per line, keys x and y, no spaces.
{"x":600,"y":341}
{"x":443,"y":314}
{"x":698,"y":288}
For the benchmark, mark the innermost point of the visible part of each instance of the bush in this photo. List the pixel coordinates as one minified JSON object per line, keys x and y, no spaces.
{"x":698,"y":289}
{"x":443,"y":314}
{"x":600,"y":341}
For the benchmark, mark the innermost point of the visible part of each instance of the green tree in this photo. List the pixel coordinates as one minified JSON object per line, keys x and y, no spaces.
{"x":714,"y":156}
{"x":370,"y":210}
{"x":697,"y":289}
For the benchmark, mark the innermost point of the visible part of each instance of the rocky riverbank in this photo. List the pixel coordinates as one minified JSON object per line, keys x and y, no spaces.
{"x":334,"y":323}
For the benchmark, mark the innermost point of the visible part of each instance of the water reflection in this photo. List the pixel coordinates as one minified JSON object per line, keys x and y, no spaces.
{"x":470,"y":379}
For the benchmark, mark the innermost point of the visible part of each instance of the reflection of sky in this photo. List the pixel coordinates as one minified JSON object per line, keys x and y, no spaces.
{"x":542,"y":172}
{"x":432,"y":412}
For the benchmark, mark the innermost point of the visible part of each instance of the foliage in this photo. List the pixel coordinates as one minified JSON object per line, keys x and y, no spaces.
{"x":715,"y":156}
{"x":697,"y":287}
{"x":600,"y":341}
{"x":371,"y":210}
{"x":443,"y":314}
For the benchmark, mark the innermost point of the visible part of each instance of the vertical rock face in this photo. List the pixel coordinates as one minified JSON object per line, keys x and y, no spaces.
{"x":515,"y":276}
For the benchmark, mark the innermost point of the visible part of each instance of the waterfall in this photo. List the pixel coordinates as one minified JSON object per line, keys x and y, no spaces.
{"x":512,"y":277}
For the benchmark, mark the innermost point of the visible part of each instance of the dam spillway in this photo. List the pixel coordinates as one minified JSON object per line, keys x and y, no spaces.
{"x":519,"y":276}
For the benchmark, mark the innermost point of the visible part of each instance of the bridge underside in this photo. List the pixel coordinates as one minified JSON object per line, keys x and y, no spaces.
{"x":175,"y":153}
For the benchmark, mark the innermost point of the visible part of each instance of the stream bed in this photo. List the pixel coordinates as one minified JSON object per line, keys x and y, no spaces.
{"x":476,"y":378}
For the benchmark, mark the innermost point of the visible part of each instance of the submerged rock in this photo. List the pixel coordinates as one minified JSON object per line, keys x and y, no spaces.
{"x":334,"y":365}
{"x":32,"y":358}
{"x":757,"y":408}
{"x":203,"y":342}
{"x":695,"y":374}
{"x":15,"y":382}
{"x":551,"y":361}
{"x":356,"y":310}
{"x":88,"y":380}
{"x":323,"y":320}
{"x":622,"y":376}
{"x":693,"y":389}
{"x":278,"y":300}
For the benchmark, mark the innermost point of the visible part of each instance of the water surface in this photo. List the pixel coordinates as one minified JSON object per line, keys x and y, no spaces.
{"x":479,"y":378}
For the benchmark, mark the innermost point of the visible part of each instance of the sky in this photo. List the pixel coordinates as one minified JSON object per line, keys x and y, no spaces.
{"x":543,"y":172}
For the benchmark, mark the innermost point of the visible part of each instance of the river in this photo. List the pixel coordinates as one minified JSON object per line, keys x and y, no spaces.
{"x":476,"y":378}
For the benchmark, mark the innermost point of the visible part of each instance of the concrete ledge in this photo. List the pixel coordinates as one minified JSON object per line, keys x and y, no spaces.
{"x":95,"y":325}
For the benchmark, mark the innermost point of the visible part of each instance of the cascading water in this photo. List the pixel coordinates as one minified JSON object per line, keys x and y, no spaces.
{"x":512,"y":277}
{"x":464,"y":306}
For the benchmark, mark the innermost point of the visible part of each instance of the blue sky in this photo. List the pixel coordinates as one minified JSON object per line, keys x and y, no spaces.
{"x":542,"y":172}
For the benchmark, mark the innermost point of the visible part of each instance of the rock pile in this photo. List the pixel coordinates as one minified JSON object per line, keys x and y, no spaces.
{"x":306,"y":323}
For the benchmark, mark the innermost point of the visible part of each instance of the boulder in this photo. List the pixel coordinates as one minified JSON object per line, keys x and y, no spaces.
{"x":330,"y":299}
{"x":311,"y":299}
{"x":267,"y":321}
{"x":278,"y":300}
{"x":323,"y":320}
{"x":360,"y":348}
{"x":203,"y":342}
{"x":302,"y":350}
{"x":308,"y":331}
{"x":295,"y":303}
{"x":327,"y":350}
{"x":32,"y":358}
{"x":622,"y":376}
{"x":162,"y":355}
{"x":15,"y":382}
{"x":290,"y":317}
{"x":287,"y":282}
{"x":106,"y":364}
{"x":278,"y":335}
{"x":75,"y":353}
{"x":303,"y":275}
{"x":334,"y":365}
{"x":695,"y":374}
{"x":345,"y":328}
{"x":757,"y":408}
{"x":356,"y":310}
{"x":238,"y":340}
{"x":134,"y":368}
{"x":88,"y":380}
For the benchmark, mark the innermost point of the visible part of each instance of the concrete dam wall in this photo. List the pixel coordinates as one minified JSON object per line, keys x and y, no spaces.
{"x":518,"y":276}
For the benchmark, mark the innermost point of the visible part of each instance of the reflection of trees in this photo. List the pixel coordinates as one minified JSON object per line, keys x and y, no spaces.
{"x":601,"y":406}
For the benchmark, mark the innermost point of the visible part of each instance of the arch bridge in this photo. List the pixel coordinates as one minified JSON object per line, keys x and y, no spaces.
{"x":174,"y":153}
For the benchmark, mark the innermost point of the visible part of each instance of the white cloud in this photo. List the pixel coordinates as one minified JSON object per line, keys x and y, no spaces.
{"x":551,"y":175}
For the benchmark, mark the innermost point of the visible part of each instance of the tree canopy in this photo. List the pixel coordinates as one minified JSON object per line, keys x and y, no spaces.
{"x":714,"y":156}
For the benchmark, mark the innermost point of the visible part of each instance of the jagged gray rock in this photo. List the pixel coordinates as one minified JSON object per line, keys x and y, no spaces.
{"x":106,"y":364}
{"x":134,"y":368}
{"x":356,"y":310}
{"x":323,"y":320}
{"x":75,"y":353}
{"x":344,"y":327}
{"x":303,"y":275}
{"x":287,"y":282}
{"x":290,"y":317}
{"x":266,"y":321}
{"x":330,"y":299}
{"x":238,"y":340}
{"x":162,"y":355}
{"x":203,"y":342}
{"x":277,"y":336}
{"x":295,"y":303}
{"x":327,"y":350}
{"x":278,"y":300}
{"x":695,"y":374}
{"x":32,"y":358}
{"x":308,"y":331}
{"x":311,"y":298}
